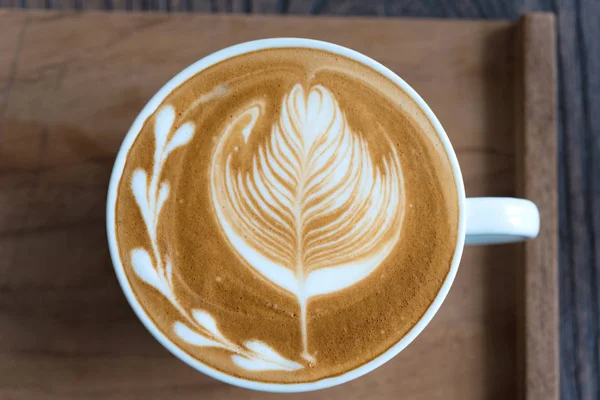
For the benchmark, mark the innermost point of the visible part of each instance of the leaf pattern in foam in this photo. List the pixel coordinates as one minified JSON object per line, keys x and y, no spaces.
{"x":263,"y":358}
{"x":208,"y":322}
{"x":181,"y":137}
{"x":267,"y":353}
{"x":151,"y":197}
{"x":140,"y":193}
{"x":144,"y":268}
{"x":194,"y":338}
{"x":256,"y":356}
{"x":313,"y":203}
{"x":162,"y":127}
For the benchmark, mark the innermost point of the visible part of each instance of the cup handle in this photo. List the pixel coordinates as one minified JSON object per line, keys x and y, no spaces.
{"x":495,"y":220}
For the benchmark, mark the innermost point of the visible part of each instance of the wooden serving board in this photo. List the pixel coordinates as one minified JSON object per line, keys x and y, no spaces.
{"x":71,"y":85}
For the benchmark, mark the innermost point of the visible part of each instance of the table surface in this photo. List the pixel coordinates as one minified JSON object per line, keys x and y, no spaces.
{"x":579,"y":138}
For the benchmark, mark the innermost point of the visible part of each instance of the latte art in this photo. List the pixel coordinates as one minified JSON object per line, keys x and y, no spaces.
{"x":202,"y":330}
{"x":310,"y":209}
{"x":286,"y":215}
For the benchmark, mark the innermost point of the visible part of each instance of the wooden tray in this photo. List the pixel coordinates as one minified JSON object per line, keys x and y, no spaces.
{"x":70,"y":86}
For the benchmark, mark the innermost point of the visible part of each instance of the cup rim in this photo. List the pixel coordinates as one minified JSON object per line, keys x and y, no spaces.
{"x":153,"y":105}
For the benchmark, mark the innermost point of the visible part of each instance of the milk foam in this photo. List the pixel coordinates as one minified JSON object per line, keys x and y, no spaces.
{"x":262,"y":220}
{"x":198,"y":327}
{"x":313,"y":212}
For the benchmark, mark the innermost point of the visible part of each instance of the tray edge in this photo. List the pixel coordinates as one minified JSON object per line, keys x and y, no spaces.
{"x":537,"y":169}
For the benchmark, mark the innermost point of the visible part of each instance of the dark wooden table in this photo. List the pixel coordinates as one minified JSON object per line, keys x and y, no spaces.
{"x":579,"y":138}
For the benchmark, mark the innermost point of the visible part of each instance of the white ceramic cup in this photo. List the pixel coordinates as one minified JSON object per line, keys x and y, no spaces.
{"x":484,"y":220}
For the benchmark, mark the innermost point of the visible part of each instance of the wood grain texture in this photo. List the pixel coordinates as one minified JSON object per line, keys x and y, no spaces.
{"x":538,"y":170}
{"x":70,"y":92}
{"x":579,"y":134}
{"x":579,"y":57}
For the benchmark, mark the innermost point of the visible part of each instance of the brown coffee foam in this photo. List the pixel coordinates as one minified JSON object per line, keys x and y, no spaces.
{"x":345,"y":329}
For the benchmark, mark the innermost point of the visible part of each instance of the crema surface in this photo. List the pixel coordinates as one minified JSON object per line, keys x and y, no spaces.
{"x":286,"y":215}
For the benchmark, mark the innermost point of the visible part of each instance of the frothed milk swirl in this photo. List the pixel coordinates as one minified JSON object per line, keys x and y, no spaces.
{"x":286,"y":215}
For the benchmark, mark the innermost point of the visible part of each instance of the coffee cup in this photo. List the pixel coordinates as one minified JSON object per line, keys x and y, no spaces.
{"x":186,"y":203}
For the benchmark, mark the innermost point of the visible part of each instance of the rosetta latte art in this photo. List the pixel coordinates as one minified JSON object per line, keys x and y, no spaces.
{"x":307,"y":205}
{"x":285,"y":216}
